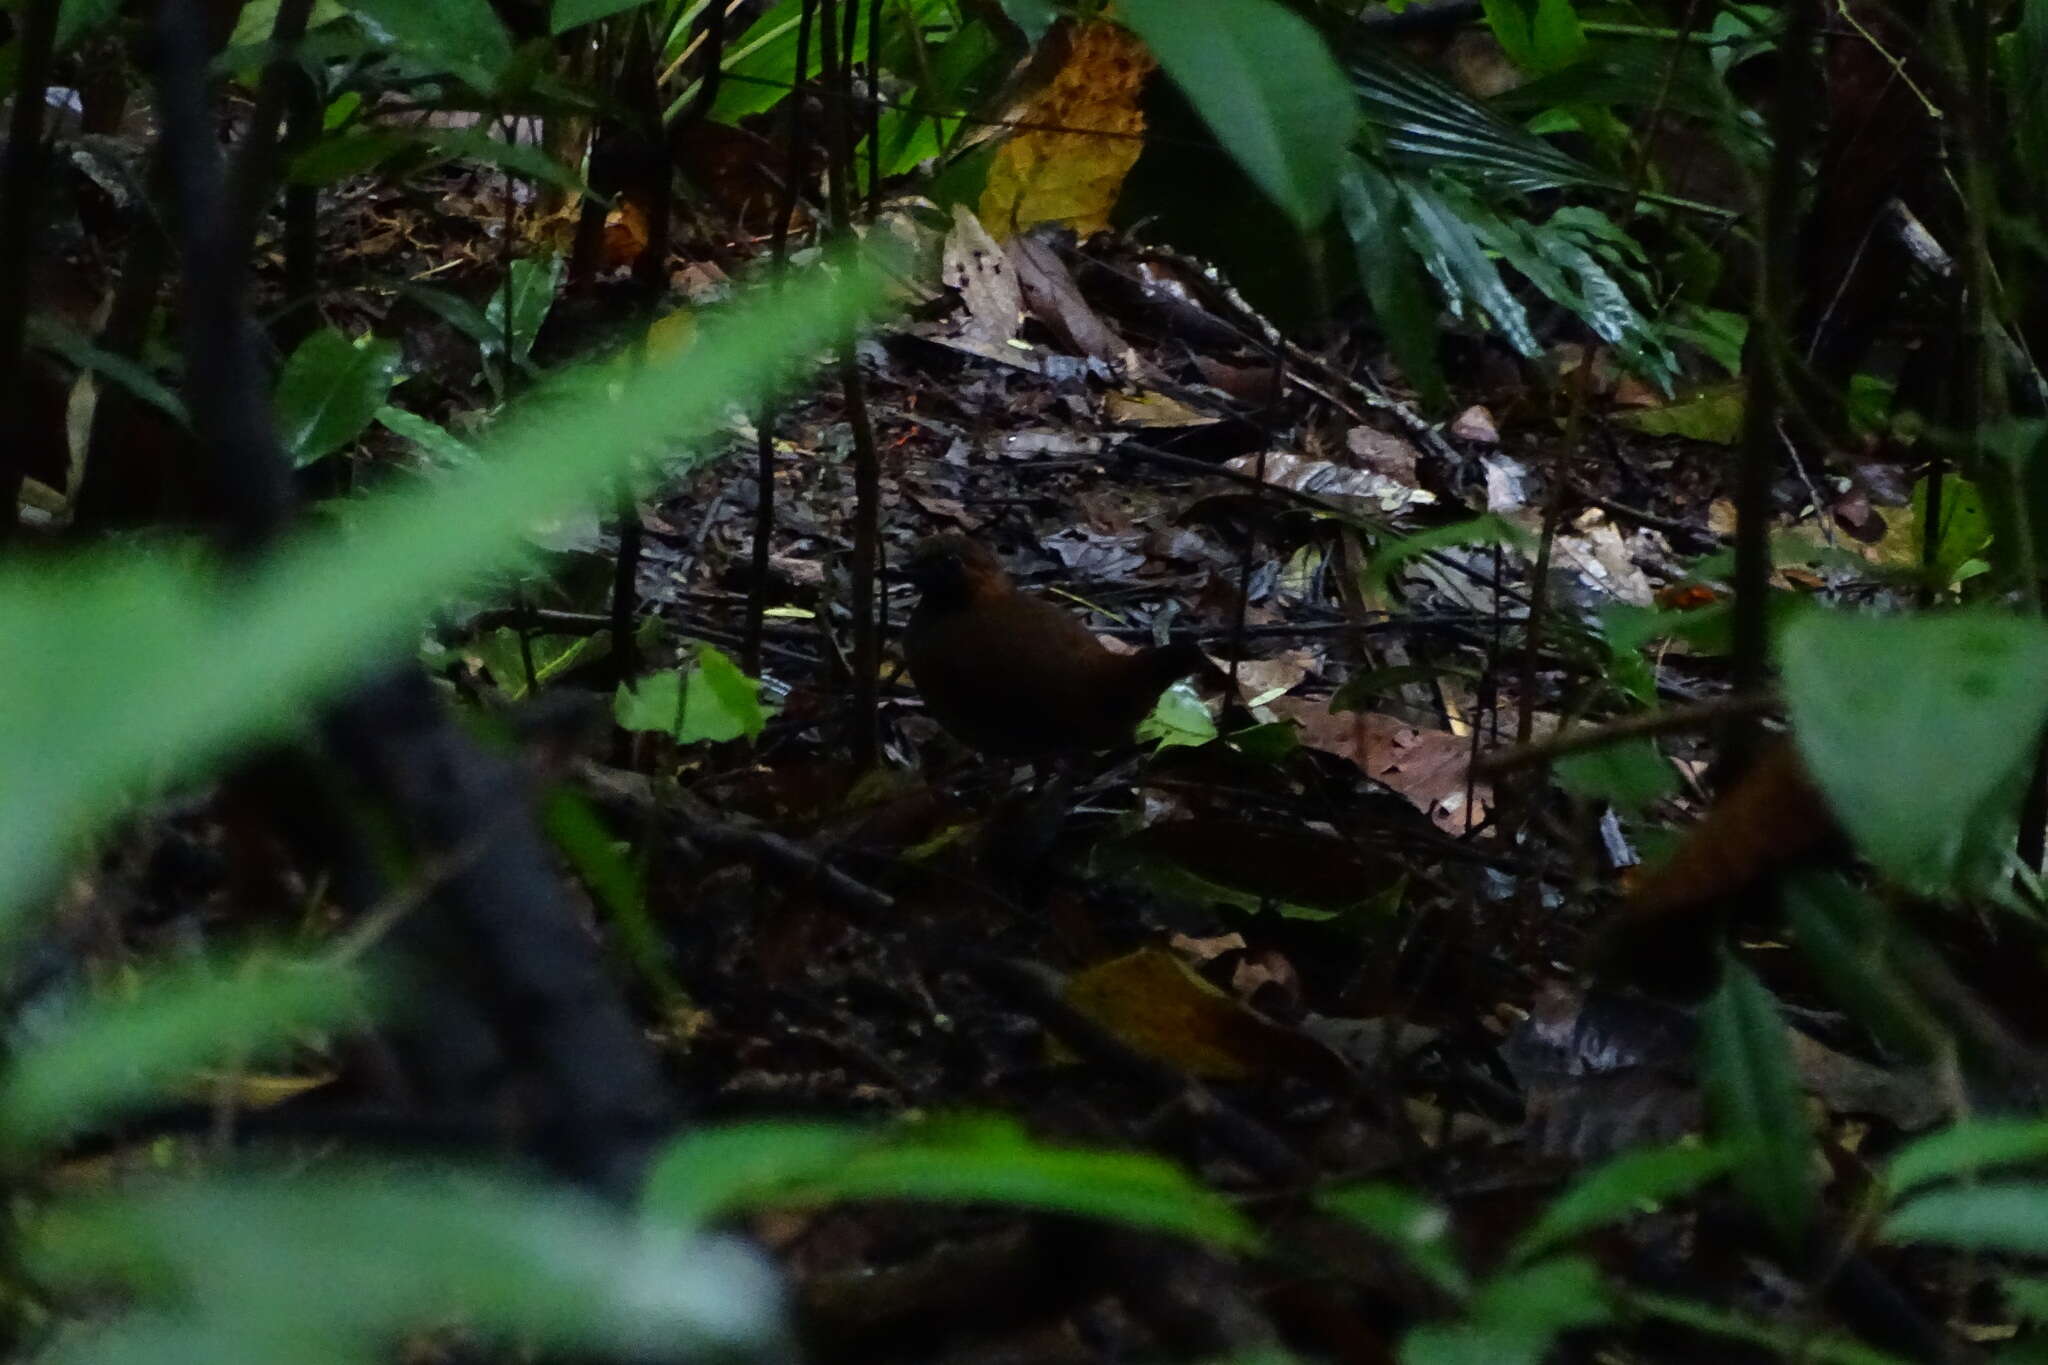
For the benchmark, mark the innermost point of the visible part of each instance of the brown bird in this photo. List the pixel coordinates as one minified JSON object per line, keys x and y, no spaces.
{"x":1014,"y":675}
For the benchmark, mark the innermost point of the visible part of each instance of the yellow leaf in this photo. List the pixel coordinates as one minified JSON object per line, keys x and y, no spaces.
{"x":1152,"y":1000}
{"x":1072,"y":177}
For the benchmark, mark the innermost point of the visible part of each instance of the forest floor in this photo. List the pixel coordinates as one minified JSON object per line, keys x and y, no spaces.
{"x":1327,"y":946}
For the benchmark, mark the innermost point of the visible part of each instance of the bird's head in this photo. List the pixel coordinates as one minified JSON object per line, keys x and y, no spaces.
{"x":952,"y":570}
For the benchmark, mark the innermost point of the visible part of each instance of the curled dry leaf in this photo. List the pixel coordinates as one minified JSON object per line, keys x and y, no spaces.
{"x":974,"y":264}
{"x":1429,"y":767}
{"x":1328,"y":480}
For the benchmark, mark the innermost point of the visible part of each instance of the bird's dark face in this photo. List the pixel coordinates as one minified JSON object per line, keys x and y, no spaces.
{"x":951,"y":570}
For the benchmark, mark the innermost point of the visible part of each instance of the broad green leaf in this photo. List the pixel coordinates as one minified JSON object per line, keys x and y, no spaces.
{"x":531,"y":288}
{"x":350,"y":152}
{"x":77,"y":18}
{"x":1965,"y":530}
{"x":1921,"y":731}
{"x":2022,"y":56}
{"x":112,"y":1054}
{"x":1755,"y":1102}
{"x":564,"y":15}
{"x":1372,"y":212}
{"x":2008,"y":1216}
{"x":438,"y":443}
{"x":1712,"y":414}
{"x":458,"y":312}
{"x":964,"y":1160}
{"x":960,"y":74}
{"x":1267,"y":87}
{"x":1848,"y":937}
{"x":2015,"y":486}
{"x":653,"y":704}
{"x":338,"y":1266}
{"x":474,"y":144}
{"x":760,"y":64}
{"x":1541,"y":1300}
{"x":2027,"y":1294}
{"x":53,"y":335}
{"x":459,"y":36}
{"x":1630,"y":775}
{"x":1471,"y":1343}
{"x":1967,"y":1148}
{"x":1418,"y":1227}
{"x":1720,"y":334}
{"x":1620,"y":1189}
{"x":719,"y":702}
{"x":1540,"y":36}
{"x":331,"y":390}
{"x":327,"y":607}
{"x":1179,"y":718}
{"x":1438,"y":230}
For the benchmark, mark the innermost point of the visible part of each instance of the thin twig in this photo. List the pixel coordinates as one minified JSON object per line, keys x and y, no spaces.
{"x":1673,"y":720}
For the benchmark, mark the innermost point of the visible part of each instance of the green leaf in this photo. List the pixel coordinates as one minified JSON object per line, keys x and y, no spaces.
{"x":53,"y":335}
{"x":2027,"y":1294}
{"x":719,"y":701}
{"x":1179,"y":718}
{"x":1921,"y":731}
{"x":327,"y":607}
{"x":1483,"y":530}
{"x":1033,"y":17}
{"x":1430,"y":127}
{"x":1620,"y":1189}
{"x":1630,"y":775}
{"x":116,"y":1053}
{"x":2022,"y":56}
{"x":78,"y":18}
{"x":1540,"y":1301}
{"x":2009,"y":1216}
{"x":1965,"y":530}
{"x":564,"y":15}
{"x":335,"y":1267}
{"x":1470,"y":1343}
{"x":1539,"y":37}
{"x":1848,"y":937}
{"x":1790,"y":1343}
{"x":458,"y":312}
{"x":351,"y":152}
{"x":1720,"y":334}
{"x":760,"y":65}
{"x":441,"y":445}
{"x":654,"y":704}
{"x":708,"y":1174}
{"x":1965,"y":1149}
{"x":1418,"y":1227}
{"x":331,"y":390}
{"x":614,"y":878}
{"x":463,"y":37}
{"x":1392,"y":275}
{"x":531,"y":286}
{"x":1440,"y":231}
{"x":474,"y":144}
{"x":1712,"y":414}
{"x":1267,"y":87}
{"x":1755,"y":1102}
